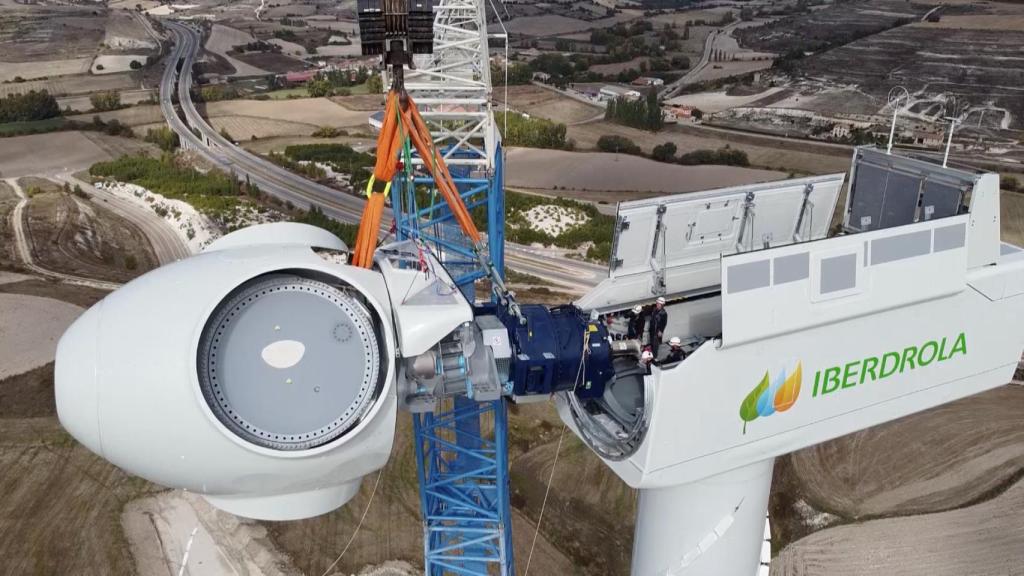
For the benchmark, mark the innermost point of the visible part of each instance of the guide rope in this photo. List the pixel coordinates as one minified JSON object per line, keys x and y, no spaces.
{"x":558,"y":449}
{"x":358,"y":526}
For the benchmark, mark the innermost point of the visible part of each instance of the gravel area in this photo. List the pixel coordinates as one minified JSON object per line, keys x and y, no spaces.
{"x":159,"y":527}
{"x":30,"y":330}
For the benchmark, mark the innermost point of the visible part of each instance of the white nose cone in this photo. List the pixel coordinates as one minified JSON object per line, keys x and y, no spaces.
{"x":75,"y":379}
{"x":283,"y":353}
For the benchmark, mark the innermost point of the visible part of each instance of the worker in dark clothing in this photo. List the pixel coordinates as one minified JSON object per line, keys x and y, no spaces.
{"x":659,"y":319}
{"x":636,"y":318}
{"x":675,"y":351}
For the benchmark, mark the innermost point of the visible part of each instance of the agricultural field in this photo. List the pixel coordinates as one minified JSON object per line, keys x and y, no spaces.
{"x":69,"y":151}
{"x":277,"y":145}
{"x":935,"y":492}
{"x":242,"y":128}
{"x":543,"y":23}
{"x":719,"y":70}
{"x":833,"y":25}
{"x":72,"y":530}
{"x":124,"y":31}
{"x":114,"y":63}
{"x":545,"y":103}
{"x":605,"y":176}
{"x":128,"y":98}
{"x":934,"y":63}
{"x":71,"y":85}
{"x":223,"y":39}
{"x":38,"y":34}
{"x":764,"y":152}
{"x":244,"y":119}
{"x":10,"y":71}
{"x":32,"y":326}
{"x":131,"y":116}
{"x":8,"y":200}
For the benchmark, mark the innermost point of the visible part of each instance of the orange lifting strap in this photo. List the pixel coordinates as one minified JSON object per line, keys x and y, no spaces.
{"x":397,"y":125}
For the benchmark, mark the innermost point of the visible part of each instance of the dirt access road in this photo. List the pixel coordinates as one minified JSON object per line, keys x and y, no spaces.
{"x":25,"y":253}
{"x":167,"y":245}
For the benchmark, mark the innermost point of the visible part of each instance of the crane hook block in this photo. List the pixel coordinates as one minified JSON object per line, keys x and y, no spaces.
{"x":384,"y":21}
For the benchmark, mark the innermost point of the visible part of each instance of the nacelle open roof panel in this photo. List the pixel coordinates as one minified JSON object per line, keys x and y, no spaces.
{"x":672,"y":244}
{"x":890,"y":190}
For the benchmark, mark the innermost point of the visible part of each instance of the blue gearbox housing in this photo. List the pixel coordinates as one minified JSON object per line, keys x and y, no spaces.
{"x":547,"y":350}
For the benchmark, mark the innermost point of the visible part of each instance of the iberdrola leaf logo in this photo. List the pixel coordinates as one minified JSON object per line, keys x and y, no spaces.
{"x":772,"y":395}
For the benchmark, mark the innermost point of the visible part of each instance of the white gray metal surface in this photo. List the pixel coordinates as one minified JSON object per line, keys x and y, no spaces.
{"x":671,"y":245}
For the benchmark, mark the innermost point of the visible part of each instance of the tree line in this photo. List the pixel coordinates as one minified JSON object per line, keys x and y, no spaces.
{"x":32,"y":105}
{"x":643,"y":113}
{"x":340,"y":157}
{"x":666,"y":152}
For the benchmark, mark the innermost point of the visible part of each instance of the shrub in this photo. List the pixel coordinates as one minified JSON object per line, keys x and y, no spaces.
{"x":618,"y":144}
{"x":104,"y":101}
{"x":163,"y":137}
{"x":163,"y":176}
{"x":726,"y":155}
{"x":329,"y":132}
{"x":664,"y":152}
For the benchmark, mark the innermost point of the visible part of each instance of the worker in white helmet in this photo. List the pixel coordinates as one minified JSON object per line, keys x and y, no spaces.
{"x":635,"y":318}
{"x":675,"y":352}
{"x":656,"y":326}
{"x":646,"y":359}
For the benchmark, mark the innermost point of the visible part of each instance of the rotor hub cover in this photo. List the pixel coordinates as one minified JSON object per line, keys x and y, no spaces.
{"x":289,"y":363}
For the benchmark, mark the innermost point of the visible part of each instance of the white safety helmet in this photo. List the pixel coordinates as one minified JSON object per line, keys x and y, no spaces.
{"x":647,"y":356}
{"x":638,"y":309}
{"x":675,"y":341}
{"x":661,"y":300}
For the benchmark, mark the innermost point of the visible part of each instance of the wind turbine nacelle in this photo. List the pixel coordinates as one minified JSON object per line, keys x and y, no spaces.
{"x":259,"y":374}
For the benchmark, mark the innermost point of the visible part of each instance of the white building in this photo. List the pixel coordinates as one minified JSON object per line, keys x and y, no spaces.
{"x":648,"y":81}
{"x":611,"y":92}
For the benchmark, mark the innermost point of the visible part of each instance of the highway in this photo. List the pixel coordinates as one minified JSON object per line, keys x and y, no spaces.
{"x":709,"y":43}
{"x":288,"y":186}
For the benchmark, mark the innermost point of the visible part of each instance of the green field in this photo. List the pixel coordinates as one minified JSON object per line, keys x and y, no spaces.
{"x":286,"y":93}
{"x":302,"y":92}
{"x":31,"y":127}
